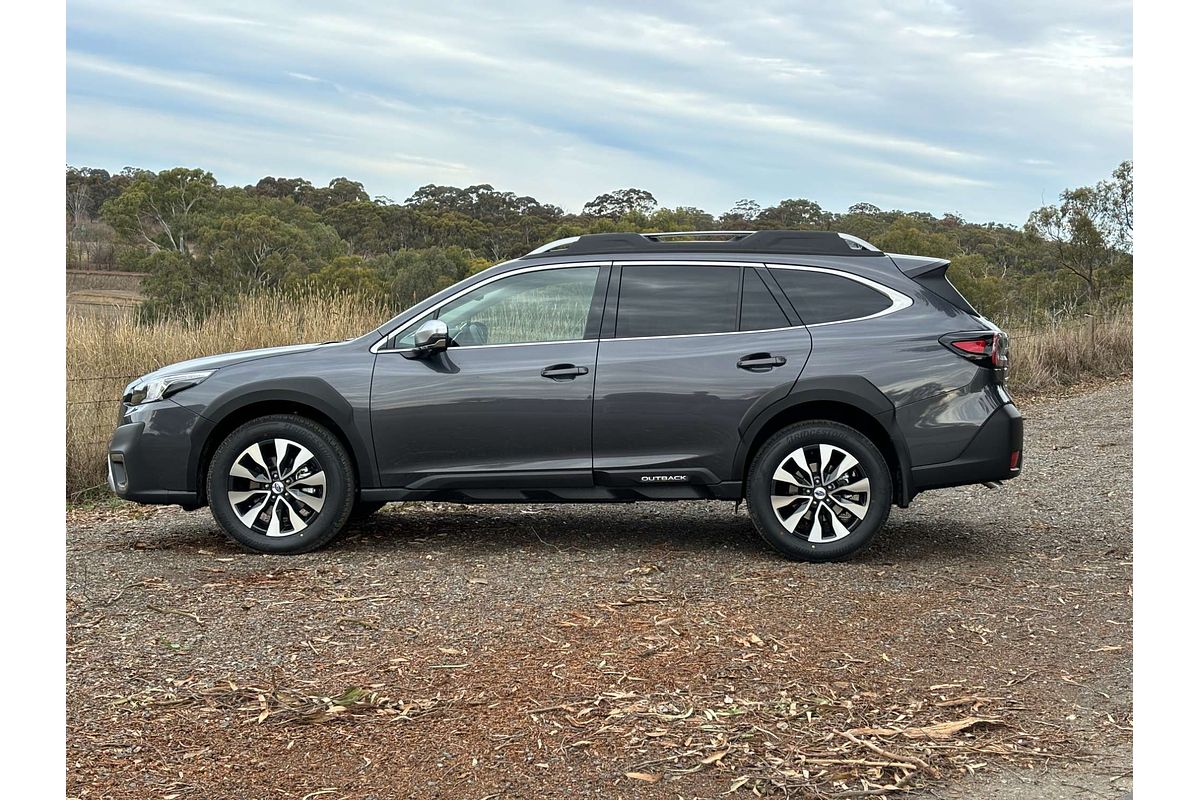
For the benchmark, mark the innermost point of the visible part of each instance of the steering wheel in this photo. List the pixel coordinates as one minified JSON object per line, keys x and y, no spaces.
{"x":470,"y":333}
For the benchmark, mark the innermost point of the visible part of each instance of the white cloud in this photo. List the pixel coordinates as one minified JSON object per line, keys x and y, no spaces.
{"x":967,"y":106}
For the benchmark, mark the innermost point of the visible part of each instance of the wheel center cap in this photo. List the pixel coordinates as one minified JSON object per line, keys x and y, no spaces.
{"x":277,"y":487}
{"x":819,"y":493}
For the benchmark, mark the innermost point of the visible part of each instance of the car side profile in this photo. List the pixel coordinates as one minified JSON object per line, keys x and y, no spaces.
{"x":805,"y":372}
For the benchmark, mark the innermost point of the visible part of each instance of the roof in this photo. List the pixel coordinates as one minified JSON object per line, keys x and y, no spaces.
{"x":824,"y":243}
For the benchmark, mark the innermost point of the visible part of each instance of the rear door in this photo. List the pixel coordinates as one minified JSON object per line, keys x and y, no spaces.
{"x":686,"y":351}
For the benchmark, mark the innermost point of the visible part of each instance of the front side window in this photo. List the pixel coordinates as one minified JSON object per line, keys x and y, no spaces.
{"x":677,"y":300}
{"x":823,"y":297}
{"x":550,"y":305}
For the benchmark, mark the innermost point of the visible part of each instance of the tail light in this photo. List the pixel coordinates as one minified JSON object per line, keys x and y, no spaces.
{"x":986,"y":348}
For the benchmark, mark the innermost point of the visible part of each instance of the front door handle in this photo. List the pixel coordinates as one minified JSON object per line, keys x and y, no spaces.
{"x":761,"y":361}
{"x":560,"y":372}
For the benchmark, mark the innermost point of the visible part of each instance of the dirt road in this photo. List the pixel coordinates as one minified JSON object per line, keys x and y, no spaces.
{"x":982,"y":645}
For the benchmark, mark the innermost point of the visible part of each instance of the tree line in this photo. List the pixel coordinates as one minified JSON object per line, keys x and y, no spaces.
{"x":204,"y":244}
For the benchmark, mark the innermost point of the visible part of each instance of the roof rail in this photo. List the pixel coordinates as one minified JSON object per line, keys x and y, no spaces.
{"x":683,"y":234}
{"x":552,"y":245}
{"x":826,"y":243}
{"x":854,"y":240}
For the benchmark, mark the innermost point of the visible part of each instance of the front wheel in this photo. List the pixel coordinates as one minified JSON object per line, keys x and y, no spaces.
{"x":281,"y":484}
{"x":819,"y":491}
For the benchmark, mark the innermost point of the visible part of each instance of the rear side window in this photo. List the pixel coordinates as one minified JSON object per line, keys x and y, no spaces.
{"x":822,"y":297}
{"x":760,"y":312}
{"x":677,"y":300}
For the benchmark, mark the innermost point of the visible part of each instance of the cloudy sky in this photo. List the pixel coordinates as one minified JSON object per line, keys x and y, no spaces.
{"x":985,"y":109}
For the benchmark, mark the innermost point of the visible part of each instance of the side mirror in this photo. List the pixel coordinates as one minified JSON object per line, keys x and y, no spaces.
{"x":431,"y":337}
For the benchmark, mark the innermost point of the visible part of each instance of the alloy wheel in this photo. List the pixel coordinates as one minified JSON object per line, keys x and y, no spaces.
{"x":820,"y":492}
{"x":276,"y":487}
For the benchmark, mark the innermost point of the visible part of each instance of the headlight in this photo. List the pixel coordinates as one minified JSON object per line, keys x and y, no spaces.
{"x":146,"y":390}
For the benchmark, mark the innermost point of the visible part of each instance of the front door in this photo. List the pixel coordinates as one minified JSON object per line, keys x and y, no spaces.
{"x":692,"y":351}
{"x":509,"y":403}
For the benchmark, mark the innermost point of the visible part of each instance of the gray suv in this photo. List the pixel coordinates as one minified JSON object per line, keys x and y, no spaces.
{"x":808,"y":373}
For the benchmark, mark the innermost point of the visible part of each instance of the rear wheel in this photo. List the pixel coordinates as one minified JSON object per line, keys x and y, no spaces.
{"x":819,"y":491}
{"x":281,"y":484}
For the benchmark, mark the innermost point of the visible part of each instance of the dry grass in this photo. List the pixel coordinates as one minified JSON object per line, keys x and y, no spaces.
{"x":1064,"y":354}
{"x":104,"y":352}
{"x":87,"y":281}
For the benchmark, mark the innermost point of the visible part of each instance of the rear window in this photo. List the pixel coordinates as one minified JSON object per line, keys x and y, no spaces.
{"x":677,"y":300}
{"x":823,"y":297}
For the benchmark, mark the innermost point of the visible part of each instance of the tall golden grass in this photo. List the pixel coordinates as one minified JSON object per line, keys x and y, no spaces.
{"x":105,"y":352}
{"x":1064,"y":353}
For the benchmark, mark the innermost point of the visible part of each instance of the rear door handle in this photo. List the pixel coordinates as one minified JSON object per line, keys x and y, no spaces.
{"x":560,"y":372}
{"x":761,"y":361}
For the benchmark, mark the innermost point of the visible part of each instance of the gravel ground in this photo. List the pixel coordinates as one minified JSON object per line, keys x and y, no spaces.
{"x":981,"y":646}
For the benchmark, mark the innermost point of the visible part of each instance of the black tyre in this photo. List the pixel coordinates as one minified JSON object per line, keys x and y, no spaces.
{"x":365,"y":508}
{"x":818,"y":491}
{"x":281,"y":484}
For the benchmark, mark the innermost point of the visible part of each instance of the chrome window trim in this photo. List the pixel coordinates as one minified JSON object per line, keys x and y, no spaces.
{"x":684,"y":262}
{"x":900,"y":301}
{"x":689,"y":263}
{"x":519,"y":344}
{"x":378,"y":347}
{"x":697,"y":335}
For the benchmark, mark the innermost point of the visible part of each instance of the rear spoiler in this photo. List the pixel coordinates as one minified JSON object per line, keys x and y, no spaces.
{"x":931,"y":273}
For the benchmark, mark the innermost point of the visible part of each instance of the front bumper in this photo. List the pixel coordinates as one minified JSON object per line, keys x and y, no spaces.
{"x":149,"y":454}
{"x":994,"y":454}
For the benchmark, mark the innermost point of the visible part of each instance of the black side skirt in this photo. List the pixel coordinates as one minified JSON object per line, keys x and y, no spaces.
{"x":729,"y":490}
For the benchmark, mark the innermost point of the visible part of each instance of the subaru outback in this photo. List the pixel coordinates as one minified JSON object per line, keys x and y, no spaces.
{"x":809,"y":374}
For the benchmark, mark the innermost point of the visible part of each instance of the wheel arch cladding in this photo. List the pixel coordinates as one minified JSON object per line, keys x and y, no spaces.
{"x":314,"y":399}
{"x":852,"y":401}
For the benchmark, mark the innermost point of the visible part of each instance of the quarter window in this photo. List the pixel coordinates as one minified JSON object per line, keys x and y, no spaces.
{"x":822,"y":297}
{"x":677,"y":300}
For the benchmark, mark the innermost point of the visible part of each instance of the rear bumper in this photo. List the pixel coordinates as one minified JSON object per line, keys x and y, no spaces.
{"x":994,"y":454}
{"x":149,"y":453}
